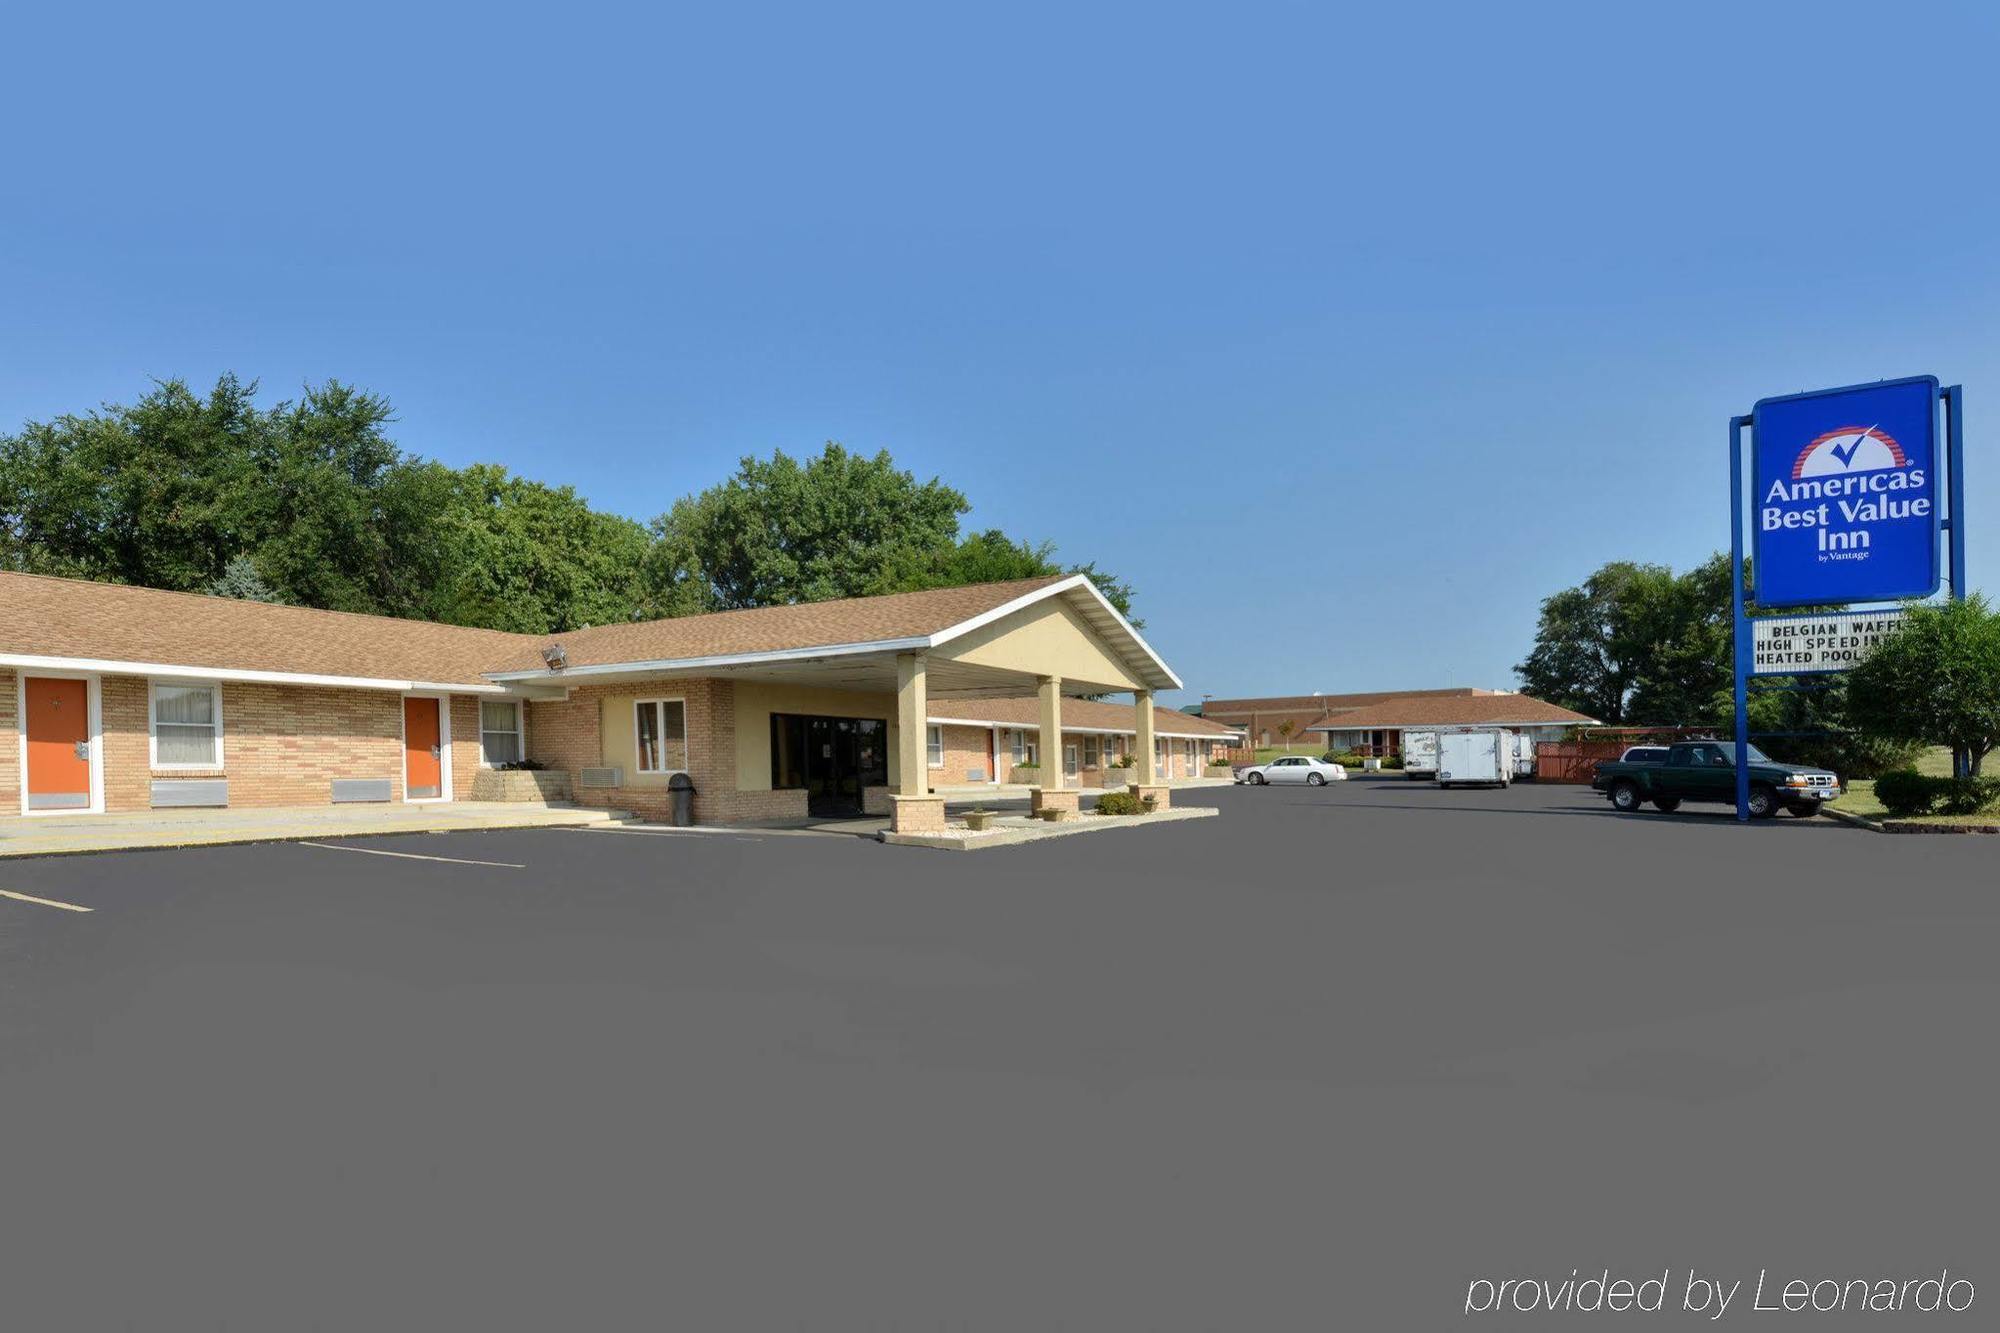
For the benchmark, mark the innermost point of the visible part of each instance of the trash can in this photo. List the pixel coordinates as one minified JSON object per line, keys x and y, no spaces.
{"x":680,"y":790}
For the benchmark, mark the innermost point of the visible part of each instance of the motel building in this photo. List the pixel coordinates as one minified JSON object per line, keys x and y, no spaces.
{"x":116,"y":699}
{"x":1377,"y":728}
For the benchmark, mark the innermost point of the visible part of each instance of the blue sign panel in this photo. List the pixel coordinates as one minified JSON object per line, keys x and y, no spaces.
{"x":1845,"y":500}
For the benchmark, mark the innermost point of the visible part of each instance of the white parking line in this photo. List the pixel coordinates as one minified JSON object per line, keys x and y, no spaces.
{"x":413,"y":856}
{"x":44,"y":902}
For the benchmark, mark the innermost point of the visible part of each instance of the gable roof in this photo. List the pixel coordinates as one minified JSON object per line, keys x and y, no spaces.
{"x":1305,"y":703}
{"x":47,"y":621}
{"x":1025,"y":711}
{"x":895,"y":618}
{"x":150,"y":628}
{"x":1482,"y":710}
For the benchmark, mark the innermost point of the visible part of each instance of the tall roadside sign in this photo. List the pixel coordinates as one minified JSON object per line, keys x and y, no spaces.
{"x":1848,"y":502}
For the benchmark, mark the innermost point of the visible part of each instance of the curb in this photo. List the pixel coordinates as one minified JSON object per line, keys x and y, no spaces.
{"x":1019,"y":837}
{"x":1858,"y":821}
{"x":1916,"y":826}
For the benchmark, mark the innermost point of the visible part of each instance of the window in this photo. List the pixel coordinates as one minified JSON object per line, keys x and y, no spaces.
{"x":187,"y":725}
{"x":1090,"y":752}
{"x":500,"y":732}
{"x":1019,"y":742}
{"x":660,"y":732}
{"x":934,"y":746}
{"x":1069,"y":761}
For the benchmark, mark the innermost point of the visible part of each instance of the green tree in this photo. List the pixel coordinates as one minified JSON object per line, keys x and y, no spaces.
{"x":1935,"y":681}
{"x":782,"y":530}
{"x":837,"y":525}
{"x":241,"y":580}
{"x":1636,"y":645}
{"x":992,"y":556}
{"x":1585,"y":656}
{"x":151,"y":494}
{"x":519,"y":555}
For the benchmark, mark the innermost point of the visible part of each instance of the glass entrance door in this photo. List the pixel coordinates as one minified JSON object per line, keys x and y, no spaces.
{"x":836,"y":759}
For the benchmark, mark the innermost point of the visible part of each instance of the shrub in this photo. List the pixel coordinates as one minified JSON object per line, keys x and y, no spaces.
{"x":1119,"y":803}
{"x":522,"y":766}
{"x":1124,"y":761}
{"x":1393,"y":761}
{"x":1967,"y":796}
{"x":1345,"y":758}
{"x":1908,"y":792}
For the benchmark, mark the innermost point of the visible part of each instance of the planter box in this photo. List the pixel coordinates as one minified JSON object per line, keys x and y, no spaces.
{"x":521,"y":786}
{"x":1218,"y":771}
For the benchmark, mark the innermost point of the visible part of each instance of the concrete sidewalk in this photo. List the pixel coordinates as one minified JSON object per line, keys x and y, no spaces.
{"x":54,"y":835}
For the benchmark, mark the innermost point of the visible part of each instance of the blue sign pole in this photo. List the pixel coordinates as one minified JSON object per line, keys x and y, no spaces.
{"x":1737,"y":617}
{"x":1954,"y":467}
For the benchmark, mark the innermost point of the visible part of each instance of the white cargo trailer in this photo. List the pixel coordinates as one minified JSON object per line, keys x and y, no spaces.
{"x":1420,"y":754}
{"x":1524,"y":755}
{"x":1482,"y":756}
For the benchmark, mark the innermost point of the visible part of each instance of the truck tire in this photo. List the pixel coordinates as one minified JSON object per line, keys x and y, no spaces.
{"x":1666,"y":805}
{"x":1763,"y":802}
{"x":1625,"y":797}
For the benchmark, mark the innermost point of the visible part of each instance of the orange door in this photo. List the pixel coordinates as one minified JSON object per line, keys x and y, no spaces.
{"x":423,"y":766}
{"x":58,"y":744}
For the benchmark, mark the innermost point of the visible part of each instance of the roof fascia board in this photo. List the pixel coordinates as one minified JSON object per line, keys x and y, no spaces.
{"x":717,"y":660}
{"x":105,"y":666}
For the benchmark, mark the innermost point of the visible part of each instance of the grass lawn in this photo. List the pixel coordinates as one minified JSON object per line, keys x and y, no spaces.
{"x":1860,"y":797}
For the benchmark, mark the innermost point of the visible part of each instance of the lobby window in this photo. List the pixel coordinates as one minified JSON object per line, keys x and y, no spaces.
{"x":499,"y":732}
{"x":186,"y":725}
{"x":660,"y":730}
{"x":934,"y":746}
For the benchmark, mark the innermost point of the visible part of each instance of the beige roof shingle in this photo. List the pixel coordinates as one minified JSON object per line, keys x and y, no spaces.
{"x":77,"y":618}
{"x":1482,"y":710}
{"x":52,"y":617}
{"x":849,"y":620}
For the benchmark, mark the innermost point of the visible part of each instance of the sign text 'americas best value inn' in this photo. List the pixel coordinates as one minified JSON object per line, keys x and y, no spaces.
{"x":1802,"y":645}
{"x":1847,"y":495}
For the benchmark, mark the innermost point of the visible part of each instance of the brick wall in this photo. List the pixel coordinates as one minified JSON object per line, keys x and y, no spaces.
{"x":282,"y":745}
{"x":10,"y":745}
{"x":566,"y":735}
{"x":964,"y":751}
{"x":464,"y":745}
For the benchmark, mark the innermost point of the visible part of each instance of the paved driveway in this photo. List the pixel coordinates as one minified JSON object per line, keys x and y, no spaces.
{"x":1316,"y":1064}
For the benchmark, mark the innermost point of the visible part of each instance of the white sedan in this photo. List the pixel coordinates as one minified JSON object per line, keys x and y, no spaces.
{"x":1293,"y":768}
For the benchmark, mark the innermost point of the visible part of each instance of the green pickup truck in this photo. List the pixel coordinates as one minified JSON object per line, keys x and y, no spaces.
{"x":1706,"y":771}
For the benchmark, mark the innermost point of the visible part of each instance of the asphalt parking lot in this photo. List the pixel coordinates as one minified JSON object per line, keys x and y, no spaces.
{"x":1318,"y":1063}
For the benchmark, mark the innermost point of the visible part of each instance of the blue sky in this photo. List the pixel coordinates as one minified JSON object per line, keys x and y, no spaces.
{"x":1348,"y":335}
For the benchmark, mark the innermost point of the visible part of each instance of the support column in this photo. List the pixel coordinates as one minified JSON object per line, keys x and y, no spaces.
{"x":912,"y":807}
{"x":1050,"y":800}
{"x":1149,"y":783}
